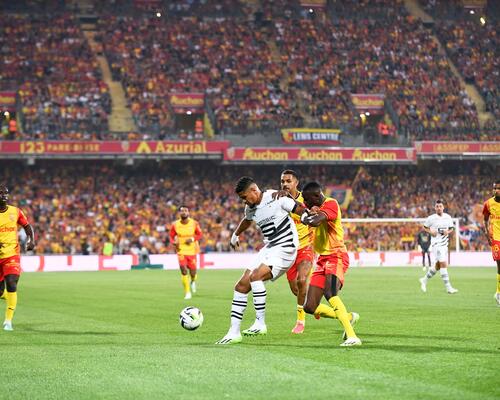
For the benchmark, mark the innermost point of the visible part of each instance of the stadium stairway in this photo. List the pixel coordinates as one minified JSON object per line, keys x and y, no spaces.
{"x":416,"y":10}
{"x":120,"y":119}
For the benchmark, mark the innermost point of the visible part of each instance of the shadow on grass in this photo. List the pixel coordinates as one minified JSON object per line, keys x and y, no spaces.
{"x":64,"y":332}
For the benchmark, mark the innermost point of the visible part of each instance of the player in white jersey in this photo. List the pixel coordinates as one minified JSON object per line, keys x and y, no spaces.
{"x":439,"y":225}
{"x":271,"y":215}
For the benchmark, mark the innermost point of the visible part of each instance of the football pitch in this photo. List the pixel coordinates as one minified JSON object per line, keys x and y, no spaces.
{"x":116,"y":335}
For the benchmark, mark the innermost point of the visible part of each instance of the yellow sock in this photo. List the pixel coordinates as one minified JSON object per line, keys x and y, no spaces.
{"x":11,"y":305}
{"x":301,"y":314}
{"x":324,"y":311}
{"x":498,"y":283}
{"x":194,"y":278}
{"x":342,"y":315}
{"x":185,"y":283}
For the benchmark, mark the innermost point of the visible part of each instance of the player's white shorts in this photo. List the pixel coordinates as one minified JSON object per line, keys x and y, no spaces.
{"x":439,"y":254}
{"x":280,"y":259}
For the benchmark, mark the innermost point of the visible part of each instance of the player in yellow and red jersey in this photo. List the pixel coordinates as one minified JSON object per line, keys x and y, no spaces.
{"x":491,"y":212}
{"x":332,"y":263}
{"x":185,"y":234}
{"x":299,"y":272}
{"x":10,"y":252}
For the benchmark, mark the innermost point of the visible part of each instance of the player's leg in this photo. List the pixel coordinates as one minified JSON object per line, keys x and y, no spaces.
{"x":238,"y":306}
{"x":332,"y":287}
{"x":3,"y":293}
{"x":443,"y":271}
{"x":183,"y":267}
{"x":429,"y":258}
{"x":193,"y":271}
{"x":303,"y":270}
{"x":315,"y":292}
{"x":11,"y":299}
{"x":257,"y":278}
{"x":431,"y":272}
{"x":497,"y":294}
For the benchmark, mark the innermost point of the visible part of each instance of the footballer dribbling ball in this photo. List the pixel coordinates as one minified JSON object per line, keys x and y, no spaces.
{"x":191,"y":318}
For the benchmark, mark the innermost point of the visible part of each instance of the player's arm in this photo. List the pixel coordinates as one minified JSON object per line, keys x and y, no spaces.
{"x":28,"y":229}
{"x":30,"y":244}
{"x":197,"y":235}
{"x":486,"y":215}
{"x":328,"y":212}
{"x":242,"y":227}
{"x":173,"y":237}
{"x":430,"y":231}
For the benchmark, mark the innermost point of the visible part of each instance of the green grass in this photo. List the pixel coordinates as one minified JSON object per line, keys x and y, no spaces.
{"x":116,"y":335}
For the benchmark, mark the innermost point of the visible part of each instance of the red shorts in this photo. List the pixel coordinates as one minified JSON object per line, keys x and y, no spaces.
{"x":332,"y":264}
{"x":187,"y":261}
{"x":495,"y":249}
{"x":303,"y":254}
{"x":10,"y":266}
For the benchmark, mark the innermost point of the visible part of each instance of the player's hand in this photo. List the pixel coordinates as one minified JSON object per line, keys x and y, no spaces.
{"x":281,"y":193}
{"x":433,"y":232}
{"x":235,"y":241}
{"x":1,"y":245}
{"x":307,"y":217}
{"x":488,"y":236}
{"x":189,"y":240}
{"x":30,"y":245}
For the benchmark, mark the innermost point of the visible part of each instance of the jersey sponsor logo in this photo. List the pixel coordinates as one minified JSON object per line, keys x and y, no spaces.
{"x":4,"y":229}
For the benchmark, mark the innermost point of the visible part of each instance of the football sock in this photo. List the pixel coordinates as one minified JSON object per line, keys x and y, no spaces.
{"x":301,"y":314}
{"x":185,"y":283}
{"x":445,"y":277}
{"x":238,"y":307}
{"x":342,"y":315}
{"x":11,"y":305}
{"x":259,"y":300}
{"x":432,"y":271}
{"x":498,"y":283}
{"x":324,"y":311}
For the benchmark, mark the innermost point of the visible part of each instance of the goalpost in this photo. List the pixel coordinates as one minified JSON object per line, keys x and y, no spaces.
{"x":419,"y":221}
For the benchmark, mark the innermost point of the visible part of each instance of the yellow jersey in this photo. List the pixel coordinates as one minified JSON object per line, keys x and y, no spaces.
{"x":491,"y":209}
{"x":182,"y":232}
{"x":305,"y":232}
{"x":329,"y":235}
{"x":9,"y":240}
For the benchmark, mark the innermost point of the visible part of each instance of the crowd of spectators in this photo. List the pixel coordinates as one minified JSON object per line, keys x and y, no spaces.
{"x":475,"y":50}
{"x":260,"y":68}
{"x":59,"y":82}
{"x":76,"y":207}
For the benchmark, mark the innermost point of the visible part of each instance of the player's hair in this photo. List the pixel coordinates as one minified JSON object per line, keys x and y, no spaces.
{"x":182,"y":206}
{"x":440,"y":201}
{"x":290,"y":172}
{"x":311,"y":187}
{"x":243,"y":183}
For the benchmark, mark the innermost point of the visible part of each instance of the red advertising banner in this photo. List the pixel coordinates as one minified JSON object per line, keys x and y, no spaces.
{"x":313,"y":3}
{"x":182,"y":102}
{"x":368,"y":102}
{"x":112,"y":147}
{"x":463,"y":148}
{"x":7,"y":101}
{"x":311,"y":136}
{"x":330,"y":154}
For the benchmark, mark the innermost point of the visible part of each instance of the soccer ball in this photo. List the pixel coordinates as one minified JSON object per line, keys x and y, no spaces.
{"x":191,"y":318}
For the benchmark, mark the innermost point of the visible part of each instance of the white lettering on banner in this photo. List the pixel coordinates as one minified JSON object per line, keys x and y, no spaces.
{"x":234,"y":261}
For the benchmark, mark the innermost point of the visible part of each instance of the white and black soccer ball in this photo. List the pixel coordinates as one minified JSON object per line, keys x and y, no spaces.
{"x":191,"y":318}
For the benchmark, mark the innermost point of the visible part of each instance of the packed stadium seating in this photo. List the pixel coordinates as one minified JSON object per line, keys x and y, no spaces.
{"x":60,"y":90}
{"x":74,"y":204}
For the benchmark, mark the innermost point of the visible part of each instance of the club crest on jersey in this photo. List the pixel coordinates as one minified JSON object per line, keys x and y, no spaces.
{"x":12,"y":217}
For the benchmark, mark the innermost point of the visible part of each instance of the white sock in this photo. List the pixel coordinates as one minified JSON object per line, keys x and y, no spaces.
{"x":432,"y":271}
{"x":445,"y":277}
{"x":259,"y":301}
{"x":238,"y":307}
